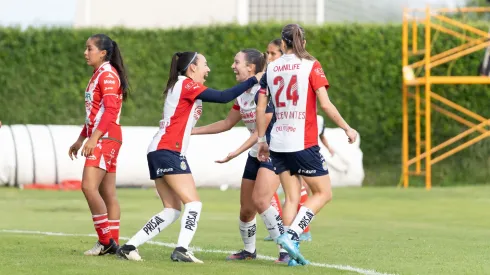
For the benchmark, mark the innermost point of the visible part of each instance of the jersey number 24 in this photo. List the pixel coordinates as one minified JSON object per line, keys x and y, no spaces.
{"x":291,"y":91}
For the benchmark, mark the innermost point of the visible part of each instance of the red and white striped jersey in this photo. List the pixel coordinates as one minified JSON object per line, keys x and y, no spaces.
{"x":103,"y":103}
{"x":292,"y":83}
{"x":180,"y":114}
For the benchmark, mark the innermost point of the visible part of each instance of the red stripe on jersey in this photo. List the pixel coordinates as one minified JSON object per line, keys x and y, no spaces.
{"x":236,"y":106}
{"x":316,"y":80}
{"x":175,"y":131}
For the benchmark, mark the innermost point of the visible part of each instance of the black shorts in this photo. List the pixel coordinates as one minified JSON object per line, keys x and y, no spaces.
{"x":308,"y":162}
{"x":166,"y":162}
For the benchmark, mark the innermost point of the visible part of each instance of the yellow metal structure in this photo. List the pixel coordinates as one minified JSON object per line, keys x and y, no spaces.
{"x":433,"y":19}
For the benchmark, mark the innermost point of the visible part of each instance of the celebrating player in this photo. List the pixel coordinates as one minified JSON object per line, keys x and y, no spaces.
{"x":167,"y":163}
{"x":259,"y":180}
{"x":105,"y":92}
{"x":274,"y":52}
{"x":294,"y":82}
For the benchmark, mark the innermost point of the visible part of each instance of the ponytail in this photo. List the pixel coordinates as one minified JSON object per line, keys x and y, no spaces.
{"x":173,"y":75}
{"x":113,"y":55}
{"x":181,"y":61}
{"x":117,"y":62}
{"x":294,"y":36}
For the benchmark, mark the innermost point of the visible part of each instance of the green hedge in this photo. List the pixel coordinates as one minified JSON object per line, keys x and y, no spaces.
{"x":43,"y":75}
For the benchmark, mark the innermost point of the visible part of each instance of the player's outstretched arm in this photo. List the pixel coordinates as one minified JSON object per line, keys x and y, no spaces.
{"x":211,"y":95}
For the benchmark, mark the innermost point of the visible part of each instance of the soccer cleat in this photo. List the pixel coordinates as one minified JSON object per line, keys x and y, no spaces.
{"x":242,"y":255}
{"x":268,"y":239}
{"x":181,"y":254}
{"x":305,"y":237}
{"x":292,"y":247}
{"x":100,"y":249}
{"x":128,"y":252}
{"x":283,"y":258}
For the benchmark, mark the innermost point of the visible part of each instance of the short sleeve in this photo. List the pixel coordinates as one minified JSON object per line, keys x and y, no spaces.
{"x":236,"y":106}
{"x":317,"y":77}
{"x":192,"y":89}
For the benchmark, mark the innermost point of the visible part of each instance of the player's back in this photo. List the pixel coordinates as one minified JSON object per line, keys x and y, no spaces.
{"x":288,"y":80}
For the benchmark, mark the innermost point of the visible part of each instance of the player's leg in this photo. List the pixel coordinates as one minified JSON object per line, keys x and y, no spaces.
{"x":185,"y":188}
{"x":291,"y":186}
{"x":266,"y":178}
{"x":107,"y":188}
{"x":312,"y":166}
{"x":276,"y":203}
{"x":155,"y":224}
{"x":93,"y":173}
{"x":306,"y":235}
{"x":107,"y":191}
{"x":247,"y":223}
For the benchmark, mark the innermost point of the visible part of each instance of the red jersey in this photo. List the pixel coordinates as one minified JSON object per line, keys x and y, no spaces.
{"x":103,"y":103}
{"x":180,"y":114}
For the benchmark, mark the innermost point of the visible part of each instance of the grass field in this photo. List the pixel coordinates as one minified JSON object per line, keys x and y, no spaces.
{"x":364,"y":230}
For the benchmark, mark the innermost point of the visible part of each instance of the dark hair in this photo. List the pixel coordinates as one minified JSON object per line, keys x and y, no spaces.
{"x":113,"y":55}
{"x":294,"y":35}
{"x":253,"y":56}
{"x":180,"y":62}
{"x":277,"y":42}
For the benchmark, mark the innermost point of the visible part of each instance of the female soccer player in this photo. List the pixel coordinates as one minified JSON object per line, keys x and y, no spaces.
{"x":274,"y":52}
{"x":105,"y":92}
{"x":295,"y":81}
{"x":167,"y":163}
{"x":259,"y":180}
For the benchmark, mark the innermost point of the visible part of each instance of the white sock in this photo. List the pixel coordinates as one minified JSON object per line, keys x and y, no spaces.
{"x":188,"y":223}
{"x":302,"y":220}
{"x":153,"y":227}
{"x":247,"y":231}
{"x":273,"y":222}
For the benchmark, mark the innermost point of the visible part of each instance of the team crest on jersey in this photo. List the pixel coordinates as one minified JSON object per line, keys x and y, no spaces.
{"x":183,"y":166}
{"x":177,"y":145}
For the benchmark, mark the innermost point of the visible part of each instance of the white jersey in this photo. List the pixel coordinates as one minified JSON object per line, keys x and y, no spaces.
{"x":180,"y":114}
{"x":292,"y":83}
{"x":246,"y":104}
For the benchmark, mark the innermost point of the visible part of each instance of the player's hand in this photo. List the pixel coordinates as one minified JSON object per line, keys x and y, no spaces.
{"x":263,"y":154}
{"x":258,"y":76}
{"x":230,"y":156}
{"x":351,"y":134}
{"x":73,"y":151}
{"x":331,"y":151}
{"x":89,"y":147}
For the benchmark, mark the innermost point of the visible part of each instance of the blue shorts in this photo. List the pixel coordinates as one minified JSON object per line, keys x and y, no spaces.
{"x":308,"y":162}
{"x":166,"y":162}
{"x":252,"y":167}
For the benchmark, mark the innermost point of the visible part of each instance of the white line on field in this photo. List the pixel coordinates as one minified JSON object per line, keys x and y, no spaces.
{"x":197,"y":249}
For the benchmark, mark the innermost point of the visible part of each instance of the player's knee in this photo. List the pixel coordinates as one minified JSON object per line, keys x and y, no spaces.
{"x":261,"y":204}
{"x":292,"y":198}
{"x":326,"y":196}
{"x":247,"y":214}
{"x":88,"y":188}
